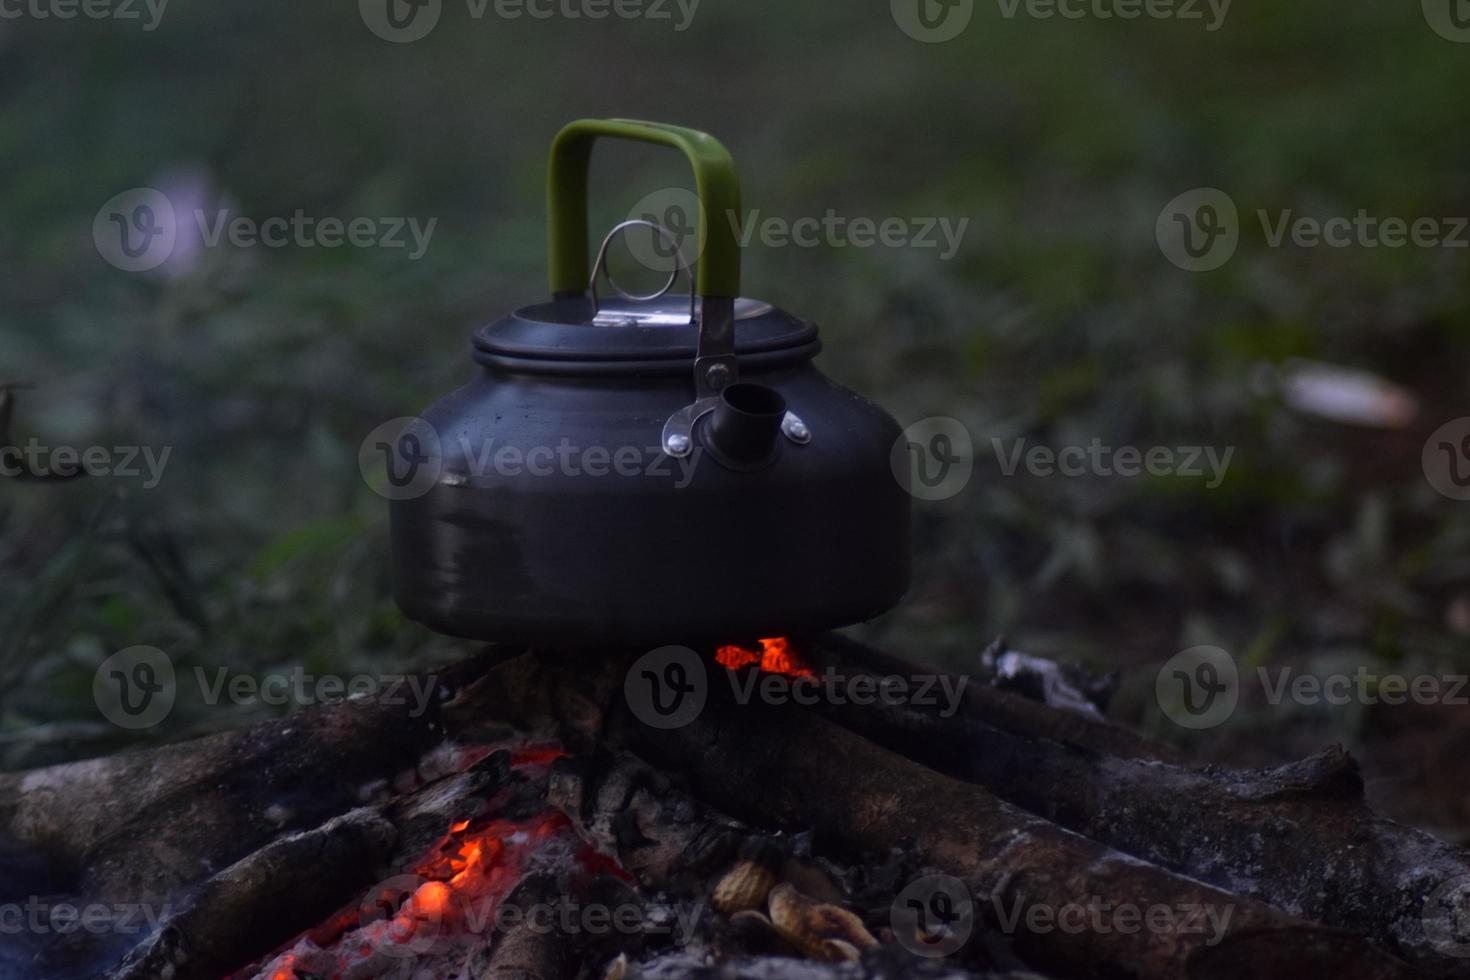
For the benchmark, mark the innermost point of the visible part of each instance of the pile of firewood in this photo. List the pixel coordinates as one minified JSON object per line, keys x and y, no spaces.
{"x":537,"y":823}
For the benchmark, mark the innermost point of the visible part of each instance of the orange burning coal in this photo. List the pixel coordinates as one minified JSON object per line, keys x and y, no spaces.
{"x":447,"y":902}
{"x":775,"y":656}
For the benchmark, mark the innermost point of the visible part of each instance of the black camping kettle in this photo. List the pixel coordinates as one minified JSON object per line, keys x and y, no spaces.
{"x":645,"y":470}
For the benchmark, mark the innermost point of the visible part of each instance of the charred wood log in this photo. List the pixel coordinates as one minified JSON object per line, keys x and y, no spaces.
{"x":526,"y":951}
{"x":293,"y":884}
{"x":140,"y":826}
{"x":1299,"y":836}
{"x":1000,"y":709}
{"x":264,"y":899}
{"x":635,"y":813}
{"x":881,"y":963}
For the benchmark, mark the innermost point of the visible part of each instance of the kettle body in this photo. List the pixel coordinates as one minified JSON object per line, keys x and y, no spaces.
{"x":646,"y":471}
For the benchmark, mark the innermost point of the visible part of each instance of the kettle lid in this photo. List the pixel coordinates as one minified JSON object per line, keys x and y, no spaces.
{"x":620,"y":335}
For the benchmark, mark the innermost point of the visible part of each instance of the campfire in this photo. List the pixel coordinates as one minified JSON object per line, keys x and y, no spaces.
{"x":533,"y":825}
{"x":448,"y":908}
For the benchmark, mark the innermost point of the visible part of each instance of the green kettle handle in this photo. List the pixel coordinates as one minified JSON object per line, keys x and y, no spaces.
{"x":715,"y":179}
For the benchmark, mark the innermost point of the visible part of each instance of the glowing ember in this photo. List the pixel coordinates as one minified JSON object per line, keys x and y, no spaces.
{"x":447,"y":902}
{"x":537,"y":755}
{"x":775,"y":656}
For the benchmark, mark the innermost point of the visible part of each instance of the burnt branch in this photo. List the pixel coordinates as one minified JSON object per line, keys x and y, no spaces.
{"x":248,"y":908}
{"x":1298,"y":836}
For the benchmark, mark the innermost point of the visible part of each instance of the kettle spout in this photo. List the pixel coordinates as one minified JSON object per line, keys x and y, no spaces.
{"x":746,"y":422}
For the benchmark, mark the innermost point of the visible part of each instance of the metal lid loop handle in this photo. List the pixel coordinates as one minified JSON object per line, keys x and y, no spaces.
{"x":600,"y":268}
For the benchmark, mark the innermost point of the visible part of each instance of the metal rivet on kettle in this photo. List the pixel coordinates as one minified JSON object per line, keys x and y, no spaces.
{"x":718,"y":375}
{"x":795,"y":429}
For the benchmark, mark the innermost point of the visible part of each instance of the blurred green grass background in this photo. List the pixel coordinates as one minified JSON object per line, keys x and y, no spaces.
{"x":1059,"y":320}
